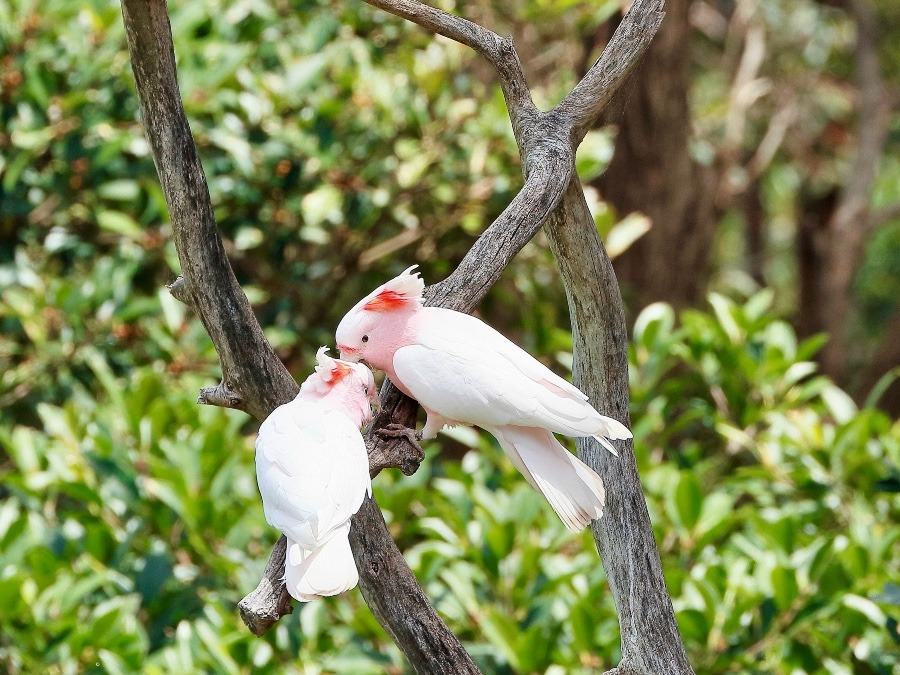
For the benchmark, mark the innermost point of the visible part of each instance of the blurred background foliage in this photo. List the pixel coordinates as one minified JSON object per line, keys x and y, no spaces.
{"x":341,"y":145}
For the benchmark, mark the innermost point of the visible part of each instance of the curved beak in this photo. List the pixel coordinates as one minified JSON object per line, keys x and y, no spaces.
{"x":348,"y":354}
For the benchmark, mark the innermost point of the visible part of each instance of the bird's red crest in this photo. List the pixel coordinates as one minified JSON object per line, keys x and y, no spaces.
{"x":401,"y":291}
{"x":338,"y":371}
{"x":386,"y":301}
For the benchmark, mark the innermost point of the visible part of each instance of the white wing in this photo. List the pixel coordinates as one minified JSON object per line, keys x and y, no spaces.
{"x":464,"y":370}
{"x":312,"y":469}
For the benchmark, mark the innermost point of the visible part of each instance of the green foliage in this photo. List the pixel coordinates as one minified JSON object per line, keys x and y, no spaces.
{"x":335,"y":140}
{"x":131,"y":522}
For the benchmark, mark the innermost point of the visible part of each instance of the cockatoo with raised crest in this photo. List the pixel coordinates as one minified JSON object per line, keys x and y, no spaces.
{"x":313,"y":473}
{"x":462,"y":371}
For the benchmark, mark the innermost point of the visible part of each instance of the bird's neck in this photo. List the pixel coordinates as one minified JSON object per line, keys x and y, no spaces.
{"x":398,"y":329}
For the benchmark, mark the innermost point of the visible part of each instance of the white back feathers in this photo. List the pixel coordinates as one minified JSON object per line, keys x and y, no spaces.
{"x":313,"y":473}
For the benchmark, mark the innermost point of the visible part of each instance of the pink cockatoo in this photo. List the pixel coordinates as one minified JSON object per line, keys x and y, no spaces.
{"x":313,"y":473}
{"x":462,"y":371}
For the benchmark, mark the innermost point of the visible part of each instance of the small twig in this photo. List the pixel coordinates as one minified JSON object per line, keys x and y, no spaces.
{"x":223,"y":394}
{"x":589,"y":98}
{"x":178,"y":289}
{"x":392,"y":453}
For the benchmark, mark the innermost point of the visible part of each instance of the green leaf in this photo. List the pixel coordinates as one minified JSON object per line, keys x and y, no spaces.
{"x":723,"y":308}
{"x":123,"y":190}
{"x":866,"y":607}
{"x":627,"y":231}
{"x":120,"y":223}
{"x":839,"y":403}
{"x":784,"y":585}
{"x":688,"y":499}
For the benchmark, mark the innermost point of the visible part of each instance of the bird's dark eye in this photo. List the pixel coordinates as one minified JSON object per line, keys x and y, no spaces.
{"x":365,"y":338}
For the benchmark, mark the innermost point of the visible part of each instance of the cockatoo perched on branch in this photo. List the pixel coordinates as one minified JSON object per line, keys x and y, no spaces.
{"x":462,"y":371}
{"x":313,"y":472}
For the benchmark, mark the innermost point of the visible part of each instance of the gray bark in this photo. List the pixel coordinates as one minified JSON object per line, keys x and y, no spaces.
{"x":255,"y":381}
{"x":651,"y":642}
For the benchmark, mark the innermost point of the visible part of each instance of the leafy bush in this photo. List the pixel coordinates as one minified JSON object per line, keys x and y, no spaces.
{"x":131,"y":523}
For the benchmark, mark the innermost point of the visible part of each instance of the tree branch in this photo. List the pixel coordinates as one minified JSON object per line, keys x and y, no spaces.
{"x":249,"y":365}
{"x":589,"y":98}
{"x":252,"y":372}
{"x":256,"y":381}
{"x":514,"y":227}
{"x":498,"y":50}
{"x":651,"y":642}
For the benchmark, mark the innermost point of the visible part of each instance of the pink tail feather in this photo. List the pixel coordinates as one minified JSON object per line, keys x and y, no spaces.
{"x":574,"y":490}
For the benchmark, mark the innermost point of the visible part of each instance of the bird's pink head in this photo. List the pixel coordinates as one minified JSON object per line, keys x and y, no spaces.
{"x":379,"y":323}
{"x":349,"y":386}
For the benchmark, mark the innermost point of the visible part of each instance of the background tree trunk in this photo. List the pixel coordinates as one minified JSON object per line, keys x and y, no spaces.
{"x":835,"y":228}
{"x":652,"y":172}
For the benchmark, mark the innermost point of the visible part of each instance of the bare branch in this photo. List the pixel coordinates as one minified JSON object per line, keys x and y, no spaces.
{"x":270,"y":601}
{"x":384,"y":453}
{"x":252,"y":372}
{"x":624,"y":536}
{"x":589,"y":98}
{"x":255,"y":380}
{"x":248,"y":362}
{"x":498,"y":50}
{"x":515,"y":227}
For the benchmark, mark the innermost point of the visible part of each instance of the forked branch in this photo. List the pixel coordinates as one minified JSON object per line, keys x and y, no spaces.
{"x":587,"y":101}
{"x":254,"y":378}
{"x":256,"y":381}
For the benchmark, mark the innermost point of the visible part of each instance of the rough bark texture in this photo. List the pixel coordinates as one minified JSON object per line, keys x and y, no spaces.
{"x":253,"y":378}
{"x":257,"y":382}
{"x":651,"y":642}
{"x":652,"y":172}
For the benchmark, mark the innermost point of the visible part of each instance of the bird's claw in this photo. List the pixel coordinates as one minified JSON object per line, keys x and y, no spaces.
{"x":410,"y":462}
{"x":400,"y":431}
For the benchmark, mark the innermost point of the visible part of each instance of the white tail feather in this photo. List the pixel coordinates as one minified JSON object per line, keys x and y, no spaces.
{"x":327,"y":570}
{"x":606,"y":444}
{"x":573,"y":489}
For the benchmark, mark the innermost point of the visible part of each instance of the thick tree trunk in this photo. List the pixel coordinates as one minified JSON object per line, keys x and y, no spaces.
{"x":652,"y":172}
{"x":851,"y":223}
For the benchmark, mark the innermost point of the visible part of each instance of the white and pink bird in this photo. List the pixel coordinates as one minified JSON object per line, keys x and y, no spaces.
{"x":313,"y":473}
{"x":462,"y":371}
